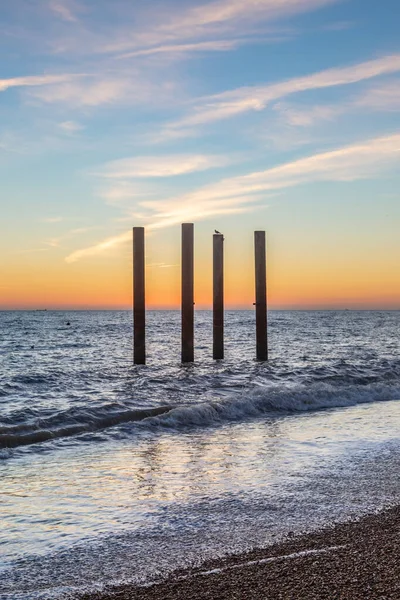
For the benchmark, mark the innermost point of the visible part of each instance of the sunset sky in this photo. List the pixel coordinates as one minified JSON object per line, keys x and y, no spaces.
{"x":238,"y":115}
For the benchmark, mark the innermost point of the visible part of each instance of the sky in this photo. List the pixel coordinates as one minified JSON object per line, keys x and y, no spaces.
{"x":281,"y":115}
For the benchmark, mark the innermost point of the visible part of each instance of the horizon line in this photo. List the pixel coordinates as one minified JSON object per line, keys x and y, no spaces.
{"x":319,"y":309}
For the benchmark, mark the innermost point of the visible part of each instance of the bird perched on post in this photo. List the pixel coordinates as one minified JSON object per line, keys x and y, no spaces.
{"x":218,"y":232}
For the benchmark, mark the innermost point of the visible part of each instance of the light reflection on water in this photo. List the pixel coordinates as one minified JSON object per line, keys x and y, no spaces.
{"x":78,"y":493}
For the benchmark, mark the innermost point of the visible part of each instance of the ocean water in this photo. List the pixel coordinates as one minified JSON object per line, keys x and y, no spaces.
{"x":110,"y":472}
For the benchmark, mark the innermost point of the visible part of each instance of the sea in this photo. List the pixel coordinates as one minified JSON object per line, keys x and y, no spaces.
{"x":115,"y":473}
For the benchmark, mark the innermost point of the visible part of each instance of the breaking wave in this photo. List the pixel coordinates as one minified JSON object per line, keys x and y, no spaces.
{"x":273,"y":401}
{"x":261,"y":401}
{"x":89,"y":421}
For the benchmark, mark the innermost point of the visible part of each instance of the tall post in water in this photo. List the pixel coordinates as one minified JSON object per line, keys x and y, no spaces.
{"x":261,"y":295}
{"x":187,"y":283}
{"x":218,"y":296}
{"x":139,"y":309}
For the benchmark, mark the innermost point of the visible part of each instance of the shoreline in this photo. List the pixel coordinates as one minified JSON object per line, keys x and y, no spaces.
{"x":352,"y":560}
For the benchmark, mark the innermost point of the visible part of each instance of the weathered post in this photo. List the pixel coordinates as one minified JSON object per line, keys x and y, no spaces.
{"x":218,"y":296}
{"x":139,"y":309}
{"x":187,"y":283}
{"x":261,"y":295}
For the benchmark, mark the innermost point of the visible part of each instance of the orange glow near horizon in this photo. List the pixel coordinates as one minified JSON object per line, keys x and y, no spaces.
{"x":299,"y":276}
{"x":108,"y":284}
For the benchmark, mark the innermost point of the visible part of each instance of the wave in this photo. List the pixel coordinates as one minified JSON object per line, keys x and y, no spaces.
{"x":273,"y":401}
{"x":264,"y":400}
{"x":24,"y":434}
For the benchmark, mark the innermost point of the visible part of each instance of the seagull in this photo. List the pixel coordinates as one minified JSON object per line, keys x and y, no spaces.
{"x":218,"y":232}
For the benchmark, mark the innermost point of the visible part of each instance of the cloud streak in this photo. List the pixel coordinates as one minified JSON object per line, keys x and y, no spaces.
{"x":35,"y":81}
{"x":239,"y":194}
{"x":88,"y":90}
{"x":103,"y":246}
{"x":93,"y":92}
{"x":242,"y":100}
{"x":382,"y":98}
{"x":386,"y":97}
{"x":161,"y":166}
{"x":107,"y":87}
{"x":63,"y":10}
{"x":211,"y":26}
{"x":209,"y":46}
{"x":220,"y":18}
{"x":70,"y":127}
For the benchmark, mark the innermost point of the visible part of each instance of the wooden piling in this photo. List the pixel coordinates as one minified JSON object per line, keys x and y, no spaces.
{"x":218,"y":296}
{"x":187,"y":283}
{"x":261,"y":295}
{"x":139,"y":309}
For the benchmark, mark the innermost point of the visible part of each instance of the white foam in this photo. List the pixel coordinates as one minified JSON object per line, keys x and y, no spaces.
{"x":272,"y":399}
{"x":263,"y":561}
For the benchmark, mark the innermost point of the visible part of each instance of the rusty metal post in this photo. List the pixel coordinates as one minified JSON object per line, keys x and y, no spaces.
{"x":261,"y":295}
{"x":139,"y":308}
{"x":218,"y":296}
{"x":187,"y":284}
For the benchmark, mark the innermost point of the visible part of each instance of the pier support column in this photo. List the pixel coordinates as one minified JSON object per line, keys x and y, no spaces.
{"x":139,"y":308}
{"x":218,"y":296}
{"x":187,"y":283}
{"x":261,"y":295}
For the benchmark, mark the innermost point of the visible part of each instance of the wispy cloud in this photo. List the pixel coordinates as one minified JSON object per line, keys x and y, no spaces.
{"x":161,"y":266}
{"x":214,"y":46}
{"x":103,"y":246}
{"x":171,"y":31}
{"x":35,"y":81}
{"x":63,"y":9}
{"x":309,"y":116}
{"x":165,"y":218}
{"x":349,"y":163}
{"x":180,"y":29}
{"x":161,"y":166}
{"x":238,"y":194}
{"x":52,"y":242}
{"x":93,"y":92}
{"x":216,"y":19}
{"x":70,"y":127}
{"x":106,"y":88}
{"x":385,"y":97}
{"x":56,"y":242}
{"x":219,"y":25}
{"x":245,"y":99}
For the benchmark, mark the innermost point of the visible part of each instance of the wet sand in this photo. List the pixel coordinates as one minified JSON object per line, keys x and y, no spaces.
{"x":356,"y":560}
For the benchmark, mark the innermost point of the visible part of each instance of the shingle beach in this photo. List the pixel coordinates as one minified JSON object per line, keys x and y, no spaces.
{"x":354,"y":560}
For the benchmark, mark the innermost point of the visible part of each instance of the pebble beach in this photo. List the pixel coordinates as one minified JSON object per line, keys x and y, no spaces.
{"x":351,"y":561}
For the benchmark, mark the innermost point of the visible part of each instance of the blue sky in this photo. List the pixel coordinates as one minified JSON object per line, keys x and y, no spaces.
{"x":272,"y":113}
